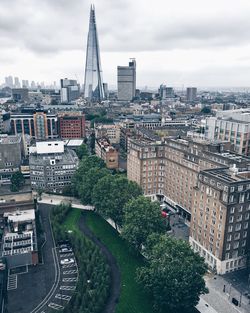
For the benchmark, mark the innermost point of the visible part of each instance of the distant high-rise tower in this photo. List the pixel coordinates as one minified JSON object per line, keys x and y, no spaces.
{"x":126,"y":81}
{"x":93,"y":86}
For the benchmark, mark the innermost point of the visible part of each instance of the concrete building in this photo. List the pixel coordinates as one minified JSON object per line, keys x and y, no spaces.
{"x":4,"y":122}
{"x":109,"y":154}
{"x":233,"y":126}
{"x":39,"y":124}
{"x":19,"y":242}
{"x":10,"y":157}
{"x":71,"y":125}
{"x":51,"y":166}
{"x":219,"y":229}
{"x":20,"y":94}
{"x":126,"y":81}
{"x":191,"y":94}
{"x":109,"y":131}
{"x":70,"y":90}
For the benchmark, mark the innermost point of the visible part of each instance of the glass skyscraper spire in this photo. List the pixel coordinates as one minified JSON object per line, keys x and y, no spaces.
{"x":93,"y":84}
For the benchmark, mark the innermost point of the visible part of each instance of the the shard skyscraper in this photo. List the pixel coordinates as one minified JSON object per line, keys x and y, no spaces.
{"x":93,"y":85}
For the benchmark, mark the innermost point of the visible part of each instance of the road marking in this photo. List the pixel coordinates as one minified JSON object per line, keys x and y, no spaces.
{"x":64,"y":255}
{"x":12,"y":282}
{"x":70,"y":272}
{"x":62,"y":297}
{"x":69,"y":279}
{"x":55,"y":306}
{"x":67,"y":287}
{"x":68,"y":265}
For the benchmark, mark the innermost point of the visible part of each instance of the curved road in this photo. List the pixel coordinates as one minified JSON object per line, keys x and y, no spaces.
{"x":115,"y":273}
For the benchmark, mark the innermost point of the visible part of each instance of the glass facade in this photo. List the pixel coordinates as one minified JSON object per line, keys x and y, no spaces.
{"x":93,"y":85}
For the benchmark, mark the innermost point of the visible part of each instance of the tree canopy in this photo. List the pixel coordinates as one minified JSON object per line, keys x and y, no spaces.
{"x":142,"y":218}
{"x":111,"y":193}
{"x":173,"y":275}
{"x":82,"y":151}
{"x":17,"y":181}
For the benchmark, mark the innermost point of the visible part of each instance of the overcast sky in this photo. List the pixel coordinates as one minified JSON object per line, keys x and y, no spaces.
{"x":176,"y":42}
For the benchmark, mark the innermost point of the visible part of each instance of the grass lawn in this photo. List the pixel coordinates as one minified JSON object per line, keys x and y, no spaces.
{"x":132,"y":298}
{"x":71,"y":223}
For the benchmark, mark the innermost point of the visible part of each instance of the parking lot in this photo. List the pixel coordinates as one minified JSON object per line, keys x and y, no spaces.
{"x":65,"y":286}
{"x":48,"y":286}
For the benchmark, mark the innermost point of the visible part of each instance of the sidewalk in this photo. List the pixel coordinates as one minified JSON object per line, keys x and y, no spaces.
{"x":56,"y":200}
{"x":221,"y":301}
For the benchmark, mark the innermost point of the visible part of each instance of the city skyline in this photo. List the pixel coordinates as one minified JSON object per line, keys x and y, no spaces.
{"x":191,"y":47}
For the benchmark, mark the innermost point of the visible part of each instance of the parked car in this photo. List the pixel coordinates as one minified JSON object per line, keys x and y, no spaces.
{"x":67,"y":261}
{"x":65,"y":250}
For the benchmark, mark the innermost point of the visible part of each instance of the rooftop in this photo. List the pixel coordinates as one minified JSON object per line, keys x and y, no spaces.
{"x":7,"y":139}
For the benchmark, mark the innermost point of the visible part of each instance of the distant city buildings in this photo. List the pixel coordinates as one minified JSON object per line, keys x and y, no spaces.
{"x":70,"y":90}
{"x":126,"y":81}
{"x":93,"y":83}
{"x":20,"y":95}
{"x":52,"y":166}
{"x":233,"y":126}
{"x":191,"y":94}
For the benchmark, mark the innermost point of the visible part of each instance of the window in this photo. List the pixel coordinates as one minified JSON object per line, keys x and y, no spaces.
{"x":232,"y":210}
{"x":245,"y":225}
{"x":236,"y":245}
{"x":247,"y":216}
{"x":230,"y":228}
{"x":245,"y":234}
{"x":231,"y":219}
{"x":229,"y":237}
{"x":242,"y":197}
{"x":228,"y":246}
{"x":236,"y":236}
{"x":238,"y":227}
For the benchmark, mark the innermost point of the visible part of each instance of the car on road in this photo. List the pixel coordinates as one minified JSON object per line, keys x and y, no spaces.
{"x":67,"y":261}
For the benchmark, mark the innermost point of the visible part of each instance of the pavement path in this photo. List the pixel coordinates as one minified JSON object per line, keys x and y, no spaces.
{"x":115,"y":273}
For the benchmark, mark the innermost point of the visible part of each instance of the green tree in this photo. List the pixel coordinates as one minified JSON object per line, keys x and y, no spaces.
{"x":85,"y":165}
{"x":206,"y":110}
{"x":173,"y":276}
{"x":142,"y":218}
{"x":89,"y":180}
{"x":17,"y":181}
{"x":111,"y":194}
{"x":82,"y":151}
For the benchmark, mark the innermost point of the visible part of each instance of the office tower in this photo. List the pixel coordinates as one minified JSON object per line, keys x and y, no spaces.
{"x":9,"y":81}
{"x":191,"y":94}
{"x":93,"y":85}
{"x":233,"y":126}
{"x":106,"y":91}
{"x":17,"y":83}
{"x":33,"y":85}
{"x":70,"y":90}
{"x":126,"y":81}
